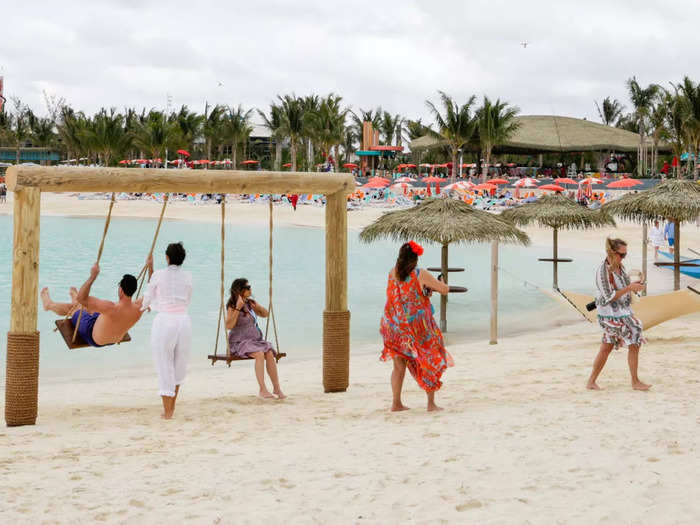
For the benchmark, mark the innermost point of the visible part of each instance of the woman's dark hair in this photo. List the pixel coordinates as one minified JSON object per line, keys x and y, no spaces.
{"x":175,"y":253}
{"x":237,"y":288}
{"x":406,"y":262}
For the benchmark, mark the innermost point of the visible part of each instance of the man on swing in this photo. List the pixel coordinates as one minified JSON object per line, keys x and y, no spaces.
{"x":102,"y":322}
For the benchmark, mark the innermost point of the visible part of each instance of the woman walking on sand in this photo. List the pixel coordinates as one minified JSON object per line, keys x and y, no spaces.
{"x":411,"y":336}
{"x":615,"y":316}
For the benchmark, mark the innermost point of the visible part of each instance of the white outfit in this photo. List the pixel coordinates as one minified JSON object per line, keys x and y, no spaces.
{"x":656,"y":236}
{"x":169,"y":292}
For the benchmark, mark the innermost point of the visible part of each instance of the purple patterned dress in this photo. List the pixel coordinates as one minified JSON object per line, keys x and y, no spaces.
{"x":246,"y":338}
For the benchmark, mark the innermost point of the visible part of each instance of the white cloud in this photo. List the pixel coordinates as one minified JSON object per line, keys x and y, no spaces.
{"x":391,"y":54}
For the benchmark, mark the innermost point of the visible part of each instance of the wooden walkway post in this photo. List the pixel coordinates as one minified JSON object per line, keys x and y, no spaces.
{"x":443,"y":298}
{"x":493,"y":340}
{"x":336,"y":317}
{"x":22,"y":364}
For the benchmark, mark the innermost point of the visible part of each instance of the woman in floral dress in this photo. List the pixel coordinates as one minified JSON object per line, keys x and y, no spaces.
{"x":615,"y":316}
{"x":411,"y":336}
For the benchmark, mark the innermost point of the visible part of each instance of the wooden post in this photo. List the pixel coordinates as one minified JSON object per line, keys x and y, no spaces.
{"x":22,"y":366}
{"x":336,"y":317}
{"x":555,"y":267}
{"x":494,"y":293}
{"x":677,"y":256}
{"x":443,"y":298}
{"x":645,"y":247}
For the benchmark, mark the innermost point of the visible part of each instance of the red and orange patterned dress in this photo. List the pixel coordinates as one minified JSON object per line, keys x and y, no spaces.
{"x":410,"y":331}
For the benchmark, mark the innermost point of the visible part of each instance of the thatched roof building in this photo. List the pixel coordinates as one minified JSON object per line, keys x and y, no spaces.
{"x":545,"y":133}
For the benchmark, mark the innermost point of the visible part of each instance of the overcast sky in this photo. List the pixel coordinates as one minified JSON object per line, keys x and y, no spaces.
{"x":391,"y":53}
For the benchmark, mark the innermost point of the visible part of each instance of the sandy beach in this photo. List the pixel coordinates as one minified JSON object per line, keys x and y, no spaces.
{"x":520,"y":440}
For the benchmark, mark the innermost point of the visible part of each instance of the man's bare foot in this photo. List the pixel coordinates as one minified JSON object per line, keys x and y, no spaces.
{"x":434,"y":408}
{"x":638,"y":385}
{"x":166,"y":416}
{"x":592,"y":386}
{"x":73,"y":292}
{"x":399,"y":407}
{"x":265,"y":394}
{"x":45,"y":298}
{"x":279,"y":394}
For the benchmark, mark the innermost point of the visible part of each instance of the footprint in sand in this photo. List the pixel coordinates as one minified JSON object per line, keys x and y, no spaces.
{"x":471,"y":504}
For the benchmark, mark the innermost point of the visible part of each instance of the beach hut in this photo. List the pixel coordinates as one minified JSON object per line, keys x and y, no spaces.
{"x":673,"y":200}
{"x":446,"y":221}
{"x":557,"y":212}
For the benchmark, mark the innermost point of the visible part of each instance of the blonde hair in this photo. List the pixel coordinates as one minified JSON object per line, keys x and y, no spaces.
{"x":611,"y":247}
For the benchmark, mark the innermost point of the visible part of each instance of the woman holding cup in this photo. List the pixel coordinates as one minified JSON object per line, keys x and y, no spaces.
{"x":615,"y":316}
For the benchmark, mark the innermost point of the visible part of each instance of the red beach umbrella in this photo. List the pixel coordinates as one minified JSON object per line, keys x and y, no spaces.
{"x":498,"y":181}
{"x":349,"y":165}
{"x":287,"y":165}
{"x":432,"y":179}
{"x":564,"y":180}
{"x":485,"y":186}
{"x":125,"y":161}
{"x":376,"y":184}
{"x":551,"y":187}
{"x":624,"y":183}
{"x":183,"y":152}
{"x":250,"y":161}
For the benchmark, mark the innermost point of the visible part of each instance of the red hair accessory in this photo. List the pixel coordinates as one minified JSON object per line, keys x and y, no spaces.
{"x":416,"y":248}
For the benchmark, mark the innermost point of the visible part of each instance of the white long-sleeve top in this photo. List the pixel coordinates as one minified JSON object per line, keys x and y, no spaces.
{"x":169,"y":290}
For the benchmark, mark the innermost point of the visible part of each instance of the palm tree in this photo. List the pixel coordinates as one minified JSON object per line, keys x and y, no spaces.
{"x":72,"y":128}
{"x":292,"y":113}
{"x":691,"y":92}
{"x":19,"y":125}
{"x":390,"y":127}
{"x":273,"y":122}
{"x":456,"y":126}
{"x":610,"y":111}
{"x":310,"y":105}
{"x":374,"y":116}
{"x":327,"y":124}
{"x":107,"y":135}
{"x":237,"y":129}
{"x":643,"y":100}
{"x":212,"y":127}
{"x":190,"y":124}
{"x":496,"y":124}
{"x":676,"y":116}
{"x":156,"y":133}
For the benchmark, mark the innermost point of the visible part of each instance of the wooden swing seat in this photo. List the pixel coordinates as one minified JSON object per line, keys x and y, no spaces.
{"x":65,"y":328}
{"x":223,"y":357}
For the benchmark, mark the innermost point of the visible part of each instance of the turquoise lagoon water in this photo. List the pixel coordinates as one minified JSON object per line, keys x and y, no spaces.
{"x":69,"y":246}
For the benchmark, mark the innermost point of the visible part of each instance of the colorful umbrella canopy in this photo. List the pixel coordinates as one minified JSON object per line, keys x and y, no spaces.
{"x":624,"y":183}
{"x":348,"y":165}
{"x":250,"y":161}
{"x":551,"y":187}
{"x":485,"y":186}
{"x":591,"y":180}
{"x":381,"y":179}
{"x":426,"y":165}
{"x":432,"y":179}
{"x":287,"y":165}
{"x":526,"y":182}
{"x":376,"y":184}
{"x":183,"y":152}
{"x":405,"y":179}
{"x":401,"y":186}
{"x":410,"y":166}
{"x":125,"y":161}
{"x":498,"y":181}
{"x":565,"y":180}
{"x":461,"y":185}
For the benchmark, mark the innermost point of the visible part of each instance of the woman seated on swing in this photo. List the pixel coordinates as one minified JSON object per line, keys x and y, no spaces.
{"x":245,"y":338}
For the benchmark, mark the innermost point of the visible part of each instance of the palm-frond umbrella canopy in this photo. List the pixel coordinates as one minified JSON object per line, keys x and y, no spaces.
{"x":673,"y":200}
{"x":444,"y":221}
{"x":559,"y":213}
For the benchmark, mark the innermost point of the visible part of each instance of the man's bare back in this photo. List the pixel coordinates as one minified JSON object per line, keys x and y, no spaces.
{"x":116,"y":321}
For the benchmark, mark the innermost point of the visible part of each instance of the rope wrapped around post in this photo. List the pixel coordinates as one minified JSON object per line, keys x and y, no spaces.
{"x":142,"y":274}
{"x":336,"y":351}
{"x":221,"y":305}
{"x":21,"y":378}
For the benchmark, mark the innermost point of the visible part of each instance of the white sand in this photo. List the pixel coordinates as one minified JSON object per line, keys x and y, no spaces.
{"x":520,"y":440}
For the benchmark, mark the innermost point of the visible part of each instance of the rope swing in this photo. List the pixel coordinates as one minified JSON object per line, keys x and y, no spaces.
{"x":222,"y":318}
{"x":64,"y":326}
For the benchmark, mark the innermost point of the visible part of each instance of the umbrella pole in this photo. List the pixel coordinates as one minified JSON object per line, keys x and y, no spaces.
{"x":677,"y":256}
{"x":645,"y":243}
{"x":494,"y":294}
{"x":555,"y":268}
{"x":443,"y":298}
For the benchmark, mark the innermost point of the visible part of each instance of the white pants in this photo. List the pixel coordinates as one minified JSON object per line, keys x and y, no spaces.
{"x":171,"y":336}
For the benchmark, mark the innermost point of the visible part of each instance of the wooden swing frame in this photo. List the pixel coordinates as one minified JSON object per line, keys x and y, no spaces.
{"x":28,"y":182}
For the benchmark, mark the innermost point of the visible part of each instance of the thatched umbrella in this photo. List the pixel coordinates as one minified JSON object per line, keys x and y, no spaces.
{"x":674,"y":200}
{"x":559,"y":213}
{"x":445,"y":221}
